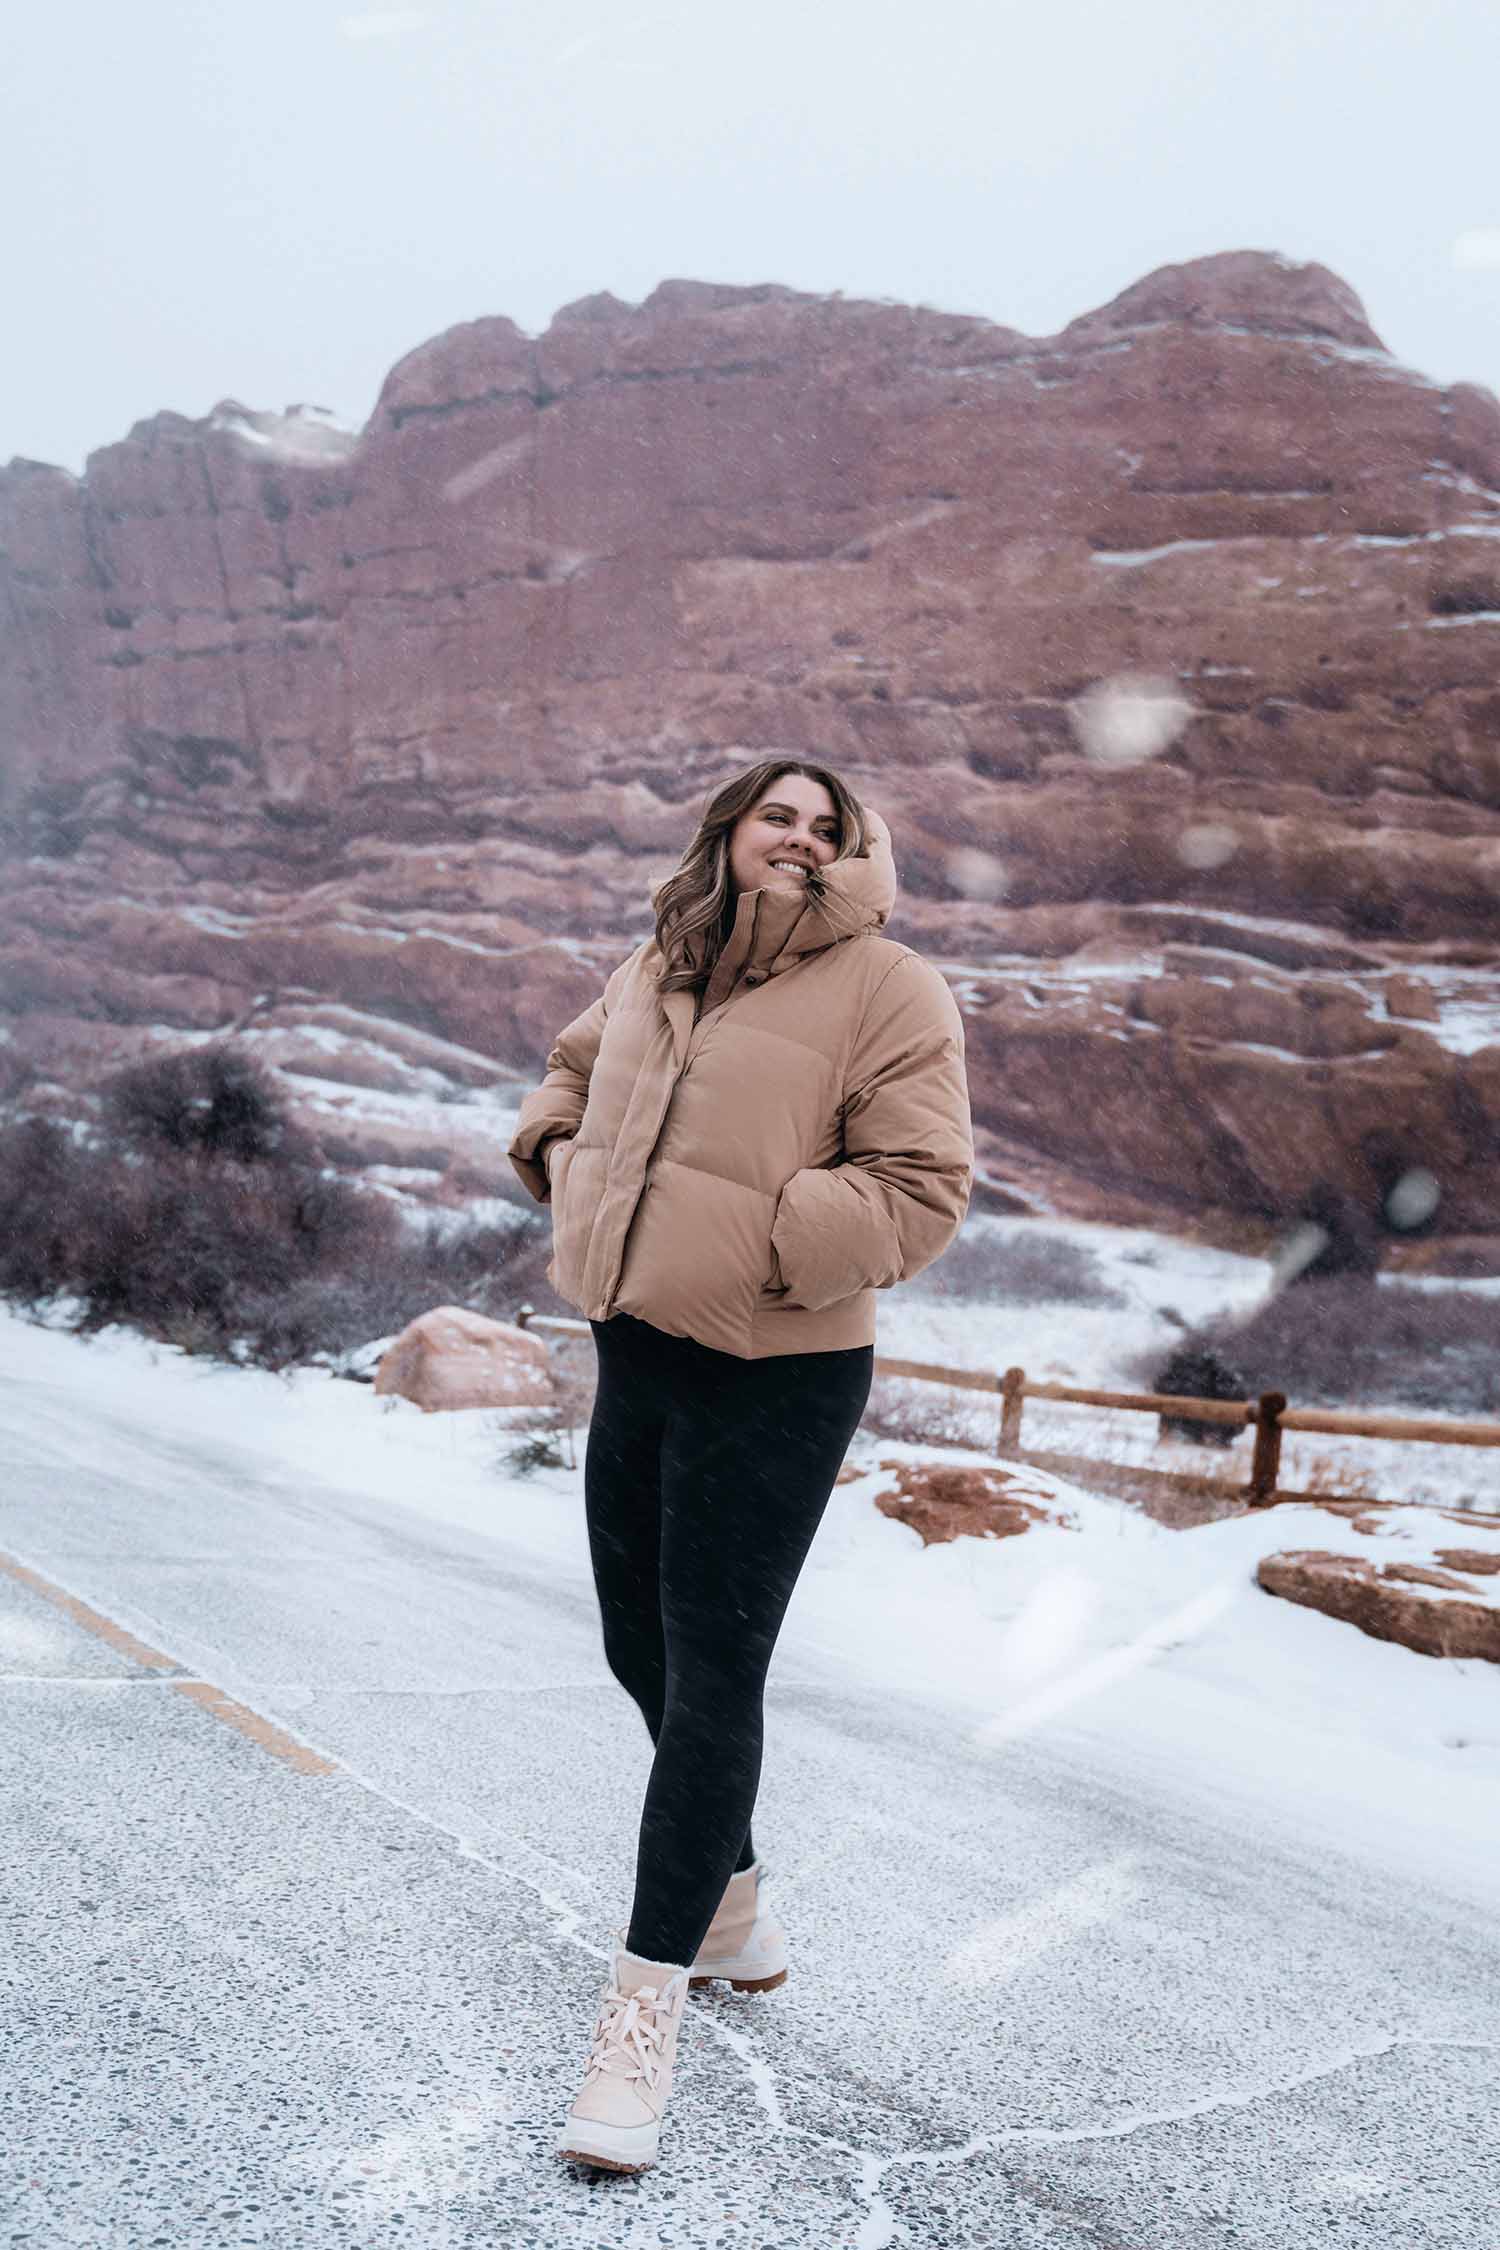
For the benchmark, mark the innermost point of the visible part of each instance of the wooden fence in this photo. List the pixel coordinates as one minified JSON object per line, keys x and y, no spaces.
{"x":1269,"y":1415}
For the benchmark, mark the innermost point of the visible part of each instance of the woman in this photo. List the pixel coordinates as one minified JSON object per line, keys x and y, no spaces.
{"x":762,"y":1120}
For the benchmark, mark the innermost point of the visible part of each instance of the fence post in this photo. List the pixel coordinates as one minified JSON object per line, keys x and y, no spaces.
{"x":1013,"y":1394}
{"x":1266,"y":1459}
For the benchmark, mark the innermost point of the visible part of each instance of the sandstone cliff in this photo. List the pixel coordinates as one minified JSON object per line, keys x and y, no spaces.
{"x":369,"y":746}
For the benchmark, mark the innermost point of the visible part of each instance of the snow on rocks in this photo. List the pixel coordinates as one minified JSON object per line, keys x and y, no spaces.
{"x":1440,"y":1600}
{"x":300,"y":434}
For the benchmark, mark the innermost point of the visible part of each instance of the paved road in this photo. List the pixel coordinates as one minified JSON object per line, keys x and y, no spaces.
{"x":1032,"y":2003}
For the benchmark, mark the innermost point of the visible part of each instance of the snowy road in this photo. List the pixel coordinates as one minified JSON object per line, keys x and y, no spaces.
{"x":1034,"y":2000}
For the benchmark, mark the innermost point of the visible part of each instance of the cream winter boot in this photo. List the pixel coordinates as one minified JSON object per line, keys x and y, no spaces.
{"x":616,"y":2119}
{"x":745,"y":1942}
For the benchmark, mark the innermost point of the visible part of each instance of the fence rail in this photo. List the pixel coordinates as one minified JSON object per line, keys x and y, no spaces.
{"x":1268,"y":1415}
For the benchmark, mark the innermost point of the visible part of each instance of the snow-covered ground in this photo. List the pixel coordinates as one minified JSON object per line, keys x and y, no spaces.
{"x":1122,"y":1894}
{"x":1095,"y":1345}
{"x":1104,"y":1618}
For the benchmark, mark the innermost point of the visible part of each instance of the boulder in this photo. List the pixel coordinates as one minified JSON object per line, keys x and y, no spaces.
{"x":450,"y":1358}
{"x":1411,"y":999}
{"x":942,"y":1502}
{"x":1418,"y":1607}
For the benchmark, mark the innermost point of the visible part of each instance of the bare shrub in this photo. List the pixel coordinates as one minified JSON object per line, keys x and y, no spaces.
{"x":46,"y":1178}
{"x":378,"y":1287}
{"x":534,"y":1441}
{"x":233,"y":1245}
{"x":1020,"y":1269}
{"x":1194,"y":1371}
{"x":192,"y":1332}
{"x":548,"y":1434}
{"x":1352,"y":1341}
{"x":198,"y":1216}
{"x":217,"y":1100}
{"x":494,"y":1268}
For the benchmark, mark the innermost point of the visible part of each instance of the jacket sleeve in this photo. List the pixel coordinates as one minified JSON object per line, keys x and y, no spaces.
{"x":897,"y":1197}
{"x":554,"y":1110}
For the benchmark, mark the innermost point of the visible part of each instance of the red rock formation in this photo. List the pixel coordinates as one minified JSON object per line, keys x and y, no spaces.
{"x":1476,"y":1561}
{"x":1387,"y":1601}
{"x":407,"y":723}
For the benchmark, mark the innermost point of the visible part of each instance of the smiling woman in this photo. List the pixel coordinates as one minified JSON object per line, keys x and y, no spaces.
{"x":777,"y":811}
{"x":766,"y":1109}
{"x":788,"y":835}
{"x":762,"y":1120}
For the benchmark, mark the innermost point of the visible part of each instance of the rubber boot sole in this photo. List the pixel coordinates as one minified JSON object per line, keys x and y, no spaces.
{"x":602,"y":2163}
{"x":619,"y":2162}
{"x":739,"y":1984}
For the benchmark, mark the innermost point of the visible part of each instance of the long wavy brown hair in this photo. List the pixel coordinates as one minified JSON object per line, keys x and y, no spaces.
{"x":695,"y":906}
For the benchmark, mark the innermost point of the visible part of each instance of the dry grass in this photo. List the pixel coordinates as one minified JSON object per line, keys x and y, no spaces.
{"x":1018,"y":1269}
{"x":1333,"y":1479}
{"x":1168,"y":1478}
{"x":928,"y":1414}
{"x":547,"y":1436}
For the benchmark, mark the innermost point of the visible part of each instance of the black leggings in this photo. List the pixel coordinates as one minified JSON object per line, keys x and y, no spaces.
{"x":705,"y":1479}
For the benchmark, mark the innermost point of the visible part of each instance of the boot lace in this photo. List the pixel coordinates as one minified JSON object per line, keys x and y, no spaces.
{"x":631,"y":2034}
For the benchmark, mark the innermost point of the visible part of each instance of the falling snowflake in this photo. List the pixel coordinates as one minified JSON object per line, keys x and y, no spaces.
{"x":1298,"y":1250}
{"x":1127,"y":719}
{"x":1207,"y":843}
{"x":977,"y":874}
{"x":1413,"y":1199}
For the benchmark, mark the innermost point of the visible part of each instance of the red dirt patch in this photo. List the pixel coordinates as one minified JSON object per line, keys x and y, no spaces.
{"x":942,"y":1503}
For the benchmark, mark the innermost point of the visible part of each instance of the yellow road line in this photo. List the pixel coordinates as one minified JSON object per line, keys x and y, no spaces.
{"x":102,"y":1628}
{"x":249,"y":1723}
{"x":261,"y":1731}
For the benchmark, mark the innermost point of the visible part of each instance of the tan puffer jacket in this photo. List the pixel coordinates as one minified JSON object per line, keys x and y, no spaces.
{"x":750,"y":1171}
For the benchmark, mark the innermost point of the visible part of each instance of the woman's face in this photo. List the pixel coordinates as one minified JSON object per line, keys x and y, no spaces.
{"x":794,"y":820}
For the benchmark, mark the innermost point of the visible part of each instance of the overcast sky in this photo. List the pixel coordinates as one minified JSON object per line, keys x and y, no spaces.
{"x":275,"y":202}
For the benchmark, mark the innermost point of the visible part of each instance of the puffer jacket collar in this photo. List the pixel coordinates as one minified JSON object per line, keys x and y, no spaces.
{"x":774,"y":929}
{"x":852,"y":896}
